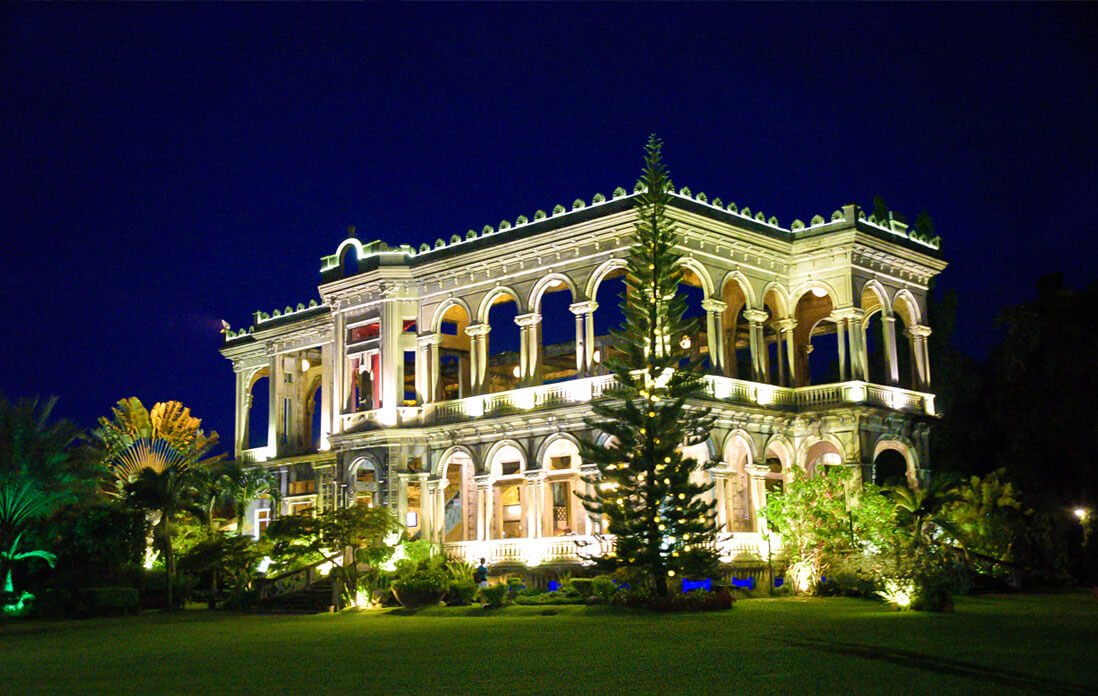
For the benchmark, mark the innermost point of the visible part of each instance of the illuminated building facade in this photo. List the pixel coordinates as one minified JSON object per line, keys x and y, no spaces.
{"x":450,"y":382}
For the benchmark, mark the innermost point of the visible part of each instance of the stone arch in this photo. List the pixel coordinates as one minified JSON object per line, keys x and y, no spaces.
{"x":741,"y":438}
{"x":775,"y":296}
{"x":599,"y":274}
{"x":816,"y":301}
{"x":364,"y":481}
{"x":741,"y":280}
{"x":546,"y":447}
{"x":701,"y":272}
{"x":493,"y":297}
{"x":902,"y":445}
{"x":827,"y":450}
{"x":783,"y":449}
{"x":490,"y":459}
{"x":448,"y":304}
{"x":448,"y":453}
{"x":810,"y":285}
{"x":546,"y":283}
{"x":343,"y":252}
{"x":906,"y":307}
{"x":459,"y":494}
{"x":877,"y":300}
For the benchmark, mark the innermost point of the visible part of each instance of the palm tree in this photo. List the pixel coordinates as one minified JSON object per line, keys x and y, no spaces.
{"x":919,"y":509}
{"x":157,"y":460}
{"x":242,"y":484}
{"x":40,"y":471}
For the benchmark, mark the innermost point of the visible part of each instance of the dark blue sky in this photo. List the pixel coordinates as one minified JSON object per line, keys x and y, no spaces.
{"x":165,"y":166}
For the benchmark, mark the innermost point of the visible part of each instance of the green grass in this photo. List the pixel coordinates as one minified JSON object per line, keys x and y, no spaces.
{"x":1036,"y":643}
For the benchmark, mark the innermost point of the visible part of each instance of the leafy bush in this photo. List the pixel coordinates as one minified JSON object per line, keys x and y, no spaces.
{"x":461,"y":592}
{"x":548,"y":599}
{"x":154,"y":589}
{"x":492,"y":596}
{"x":582,"y":586}
{"x":603,"y":587}
{"x":424,"y":586}
{"x":101,"y":601}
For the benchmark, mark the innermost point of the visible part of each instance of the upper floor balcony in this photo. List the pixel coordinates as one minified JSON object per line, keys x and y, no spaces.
{"x":580,"y":391}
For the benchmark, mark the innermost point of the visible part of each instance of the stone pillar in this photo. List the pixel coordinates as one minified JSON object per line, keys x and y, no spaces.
{"x":720,"y":492}
{"x":337,"y":395}
{"x":478,"y":355}
{"x":586,"y":471}
{"x":242,"y":404}
{"x":484,"y":507}
{"x":427,"y":370}
{"x":274,"y":403}
{"x":714,"y":329}
{"x":585,"y":335}
{"x":786,"y":327}
{"x":920,"y":355}
{"x":391,"y":379}
{"x":402,"y":499}
{"x":855,"y":332}
{"x":427,"y":522}
{"x":755,"y":319}
{"x":535,"y":502}
{"x":840,"y":333}
{"x":757,"y":493}
{"x":529,"y":346}
{"x":888,"y":331}
{"x":326,"y":384}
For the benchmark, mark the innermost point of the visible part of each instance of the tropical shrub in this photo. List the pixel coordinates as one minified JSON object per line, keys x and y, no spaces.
{"x":493,"y":596}
{"x":461,"y":592}
{"x":102,"y":601}
{"x":582,"y":586}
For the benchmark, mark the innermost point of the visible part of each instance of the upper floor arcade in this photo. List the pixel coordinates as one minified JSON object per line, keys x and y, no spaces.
{"x":520,"y":318}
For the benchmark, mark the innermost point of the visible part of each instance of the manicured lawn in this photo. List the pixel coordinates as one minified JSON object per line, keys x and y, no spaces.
{"x":1046,"y":643}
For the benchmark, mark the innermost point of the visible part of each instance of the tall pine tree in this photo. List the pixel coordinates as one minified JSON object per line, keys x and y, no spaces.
{"x":663,"y":526}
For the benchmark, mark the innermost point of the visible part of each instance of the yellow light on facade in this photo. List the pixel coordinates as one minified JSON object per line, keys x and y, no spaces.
{"x":685,"y":343}
{"x":305,"y":365}
{"x":819,"y":292}
{"x":597,"y":356}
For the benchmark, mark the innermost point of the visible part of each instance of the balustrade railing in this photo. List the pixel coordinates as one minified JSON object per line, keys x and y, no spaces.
{"x":582,"y":390}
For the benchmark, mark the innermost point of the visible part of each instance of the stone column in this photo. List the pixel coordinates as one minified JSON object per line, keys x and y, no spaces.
{"x":585,"y":335}
{"x":478,"y":355}
{"x":755,"y":319}
{"x":757,"y":493}
{"x":920,"y":355}
{"x":528,"y":347}
{"x":484,"y":507}
{"x":720,"y":492}
{"x":588,"y":522}
{"x":242,"y":403}
{"x":427,"y":371}
{"x":326,"y":384}
{"x":337,"y":395}
{"x":274,"y":403}
{"x":714,"y":328}
{"x":535,"y":501}
{"x":427,"y":522}
{"x":840,"y":333}
{"x":786,"y":327}
{"x":853,"y":316}
{"x":391,"y":363}
{"x":402,"y":498}
{"x":888,"y":331}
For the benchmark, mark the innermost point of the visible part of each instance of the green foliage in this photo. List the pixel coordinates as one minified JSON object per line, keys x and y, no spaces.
{"x":461,"y":592}
{"x":643,"y":486}
{"x":582,"y":586}
{"x":987,"y":515}
{"x":228,"y":561}
{"x":603,"y":587}
{"x":492,"y":596}
{"x":112,"y":600}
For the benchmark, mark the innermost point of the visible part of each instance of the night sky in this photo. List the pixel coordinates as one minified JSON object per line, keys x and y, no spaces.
{"x":167,"y":166}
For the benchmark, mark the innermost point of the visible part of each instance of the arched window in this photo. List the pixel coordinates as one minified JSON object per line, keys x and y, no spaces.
{"x":563,"y":511}
{"x":508,"y":493}
{"x":556,"y":331}
{"x":454,"y":374}
{"x":459,"y":498}
{"x":502,"y":343}
{"x":816,"y":339}
{"x":258,"y":411}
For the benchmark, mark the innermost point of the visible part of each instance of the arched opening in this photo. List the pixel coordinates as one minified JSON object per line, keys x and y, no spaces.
{"x":609,"y":295}
{"x":459,"y":496}
{"x":778,"y":460}
{"x":314,"y":411}
{"x":556,"y":332}
{"x":737,"y":333}
{"x":776,"y":362}
{"x":454,"y":376}
{"x":873,"y":331}
{"x":563,"y":513}
{"x":739,"y":513}
{"x":364,"y":484}
{"x":816,"y":339}
{"x":890,"y":468}
{"x":259,"y":410}
{"x":907,"y":315}
{"x":696,"y":341}
{"x":502,"y":344}
{"x":508,"y":493}
{"x":820,"y":456}
{"x":348,"y":261}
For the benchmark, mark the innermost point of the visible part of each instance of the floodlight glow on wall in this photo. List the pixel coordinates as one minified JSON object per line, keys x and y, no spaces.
{"x":411,"y":519}
{"x":305,"y":365}
{"x":597,"y":356}
{"x":819,"y":292}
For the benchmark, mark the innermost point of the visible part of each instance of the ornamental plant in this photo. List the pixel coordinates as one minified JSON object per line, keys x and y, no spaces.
{"x":643,"y":485}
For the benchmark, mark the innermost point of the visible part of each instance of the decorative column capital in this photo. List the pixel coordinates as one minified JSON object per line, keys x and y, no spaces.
{"x":587,"y":307}
{"x":756,"y":470}
{"x":534,"y":476}
{"x":854,"y":313}
{"x":755,"y":315}
{"x":917,"y":331}
{"x":483,"y":480}
{"x":714,"y":305}
{"x":478,"y":329}
{"x":787,"y":324}
{"x":432,"y":339}
{"x":527,"y":320}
